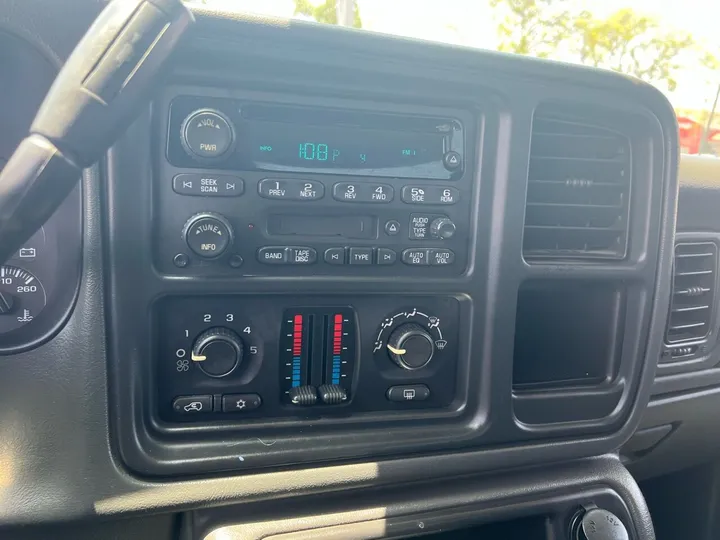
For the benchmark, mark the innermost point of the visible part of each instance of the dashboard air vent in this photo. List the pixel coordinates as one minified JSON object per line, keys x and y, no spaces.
{"x":578,"y":189}
{"x":693,"y":292}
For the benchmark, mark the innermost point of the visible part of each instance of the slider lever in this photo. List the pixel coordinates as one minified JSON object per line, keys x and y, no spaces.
{"x":332,"y":394}
{"x":303,"y":395}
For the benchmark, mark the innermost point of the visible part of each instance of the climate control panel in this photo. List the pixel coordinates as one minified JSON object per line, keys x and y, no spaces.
{"x":253,"y":357}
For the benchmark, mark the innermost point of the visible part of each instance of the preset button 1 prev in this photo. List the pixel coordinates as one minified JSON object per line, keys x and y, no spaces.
{"x":291,"y":189}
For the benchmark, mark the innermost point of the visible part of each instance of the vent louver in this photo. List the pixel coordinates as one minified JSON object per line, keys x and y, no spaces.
{"x":578,"y":189}
{"x":694,"y":277}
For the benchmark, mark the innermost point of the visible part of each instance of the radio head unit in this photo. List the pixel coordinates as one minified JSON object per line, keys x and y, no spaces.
{"x":253,"y":136}
{"x":274,"y":185}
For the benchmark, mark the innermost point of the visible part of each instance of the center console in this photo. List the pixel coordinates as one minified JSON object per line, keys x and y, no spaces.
{"x":356,"y":276}
{"x":257,"y":184}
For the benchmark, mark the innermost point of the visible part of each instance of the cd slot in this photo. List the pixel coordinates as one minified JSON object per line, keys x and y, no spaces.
{"x":320,"y":116}
{"x":360,"y":227}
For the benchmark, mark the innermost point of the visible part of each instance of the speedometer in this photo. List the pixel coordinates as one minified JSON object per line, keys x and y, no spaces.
{"x":22,"y":298}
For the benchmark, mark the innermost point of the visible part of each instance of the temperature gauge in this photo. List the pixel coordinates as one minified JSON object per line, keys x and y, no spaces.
{"x":22,"y":298}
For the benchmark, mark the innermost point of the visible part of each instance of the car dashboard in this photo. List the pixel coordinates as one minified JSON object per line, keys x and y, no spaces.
{"x":339,"y":284}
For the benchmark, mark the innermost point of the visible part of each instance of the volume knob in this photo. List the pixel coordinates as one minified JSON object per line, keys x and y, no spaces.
{"x":208,"y":234}
{"x":217,"y":351}
{"x":207,"y":135}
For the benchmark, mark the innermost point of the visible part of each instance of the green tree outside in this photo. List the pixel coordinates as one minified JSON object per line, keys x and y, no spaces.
{"x":625,"y":41}
{"x":324,"y":13}
{"x":631,"y":43}
{"x":531,"y":27}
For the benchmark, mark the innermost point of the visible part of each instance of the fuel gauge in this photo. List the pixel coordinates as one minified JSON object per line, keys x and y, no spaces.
{"x":22,"y":298}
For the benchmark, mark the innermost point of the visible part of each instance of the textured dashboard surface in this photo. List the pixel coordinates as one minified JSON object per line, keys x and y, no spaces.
{"x":56,"y":460}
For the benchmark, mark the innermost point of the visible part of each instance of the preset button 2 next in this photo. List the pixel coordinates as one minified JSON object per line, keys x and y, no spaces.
{"x":291,"y":190}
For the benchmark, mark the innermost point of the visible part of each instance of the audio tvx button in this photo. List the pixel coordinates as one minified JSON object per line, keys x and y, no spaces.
{"x":363,"y":193}
{"x":208,"y":185}
{"x":430,"y":195}
{"x":291,"y":190}
{"x":419,"y":226}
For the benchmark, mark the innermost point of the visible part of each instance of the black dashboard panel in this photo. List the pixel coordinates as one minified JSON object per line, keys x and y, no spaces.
{"x":102,"y":377}
{"x":39,"y":283}
{"x":178,"y":428}
{"x":686,"y":386}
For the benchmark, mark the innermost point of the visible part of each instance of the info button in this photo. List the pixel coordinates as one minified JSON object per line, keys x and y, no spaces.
{"x":208,"y":185}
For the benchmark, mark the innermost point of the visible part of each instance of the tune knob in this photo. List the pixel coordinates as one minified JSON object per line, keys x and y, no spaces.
{"x":217,"y":351}
{"x":208,"y":234}
{"x":410,"y":346}
{"x":442,"y":228}
{"x":207,"y":135}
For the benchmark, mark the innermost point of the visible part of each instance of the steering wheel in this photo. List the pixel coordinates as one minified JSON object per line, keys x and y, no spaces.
{"x":104,"y":83}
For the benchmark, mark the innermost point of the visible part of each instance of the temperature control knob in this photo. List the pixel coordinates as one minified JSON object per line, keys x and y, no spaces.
{"x":217,"y":351}
{"x":442,"y":228}
{"x":207,"y":135}
{"x":208,"y":234}
{"x":410,"y":346}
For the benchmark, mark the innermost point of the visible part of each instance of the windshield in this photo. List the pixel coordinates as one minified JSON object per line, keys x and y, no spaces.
{"x":674,"y":45}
